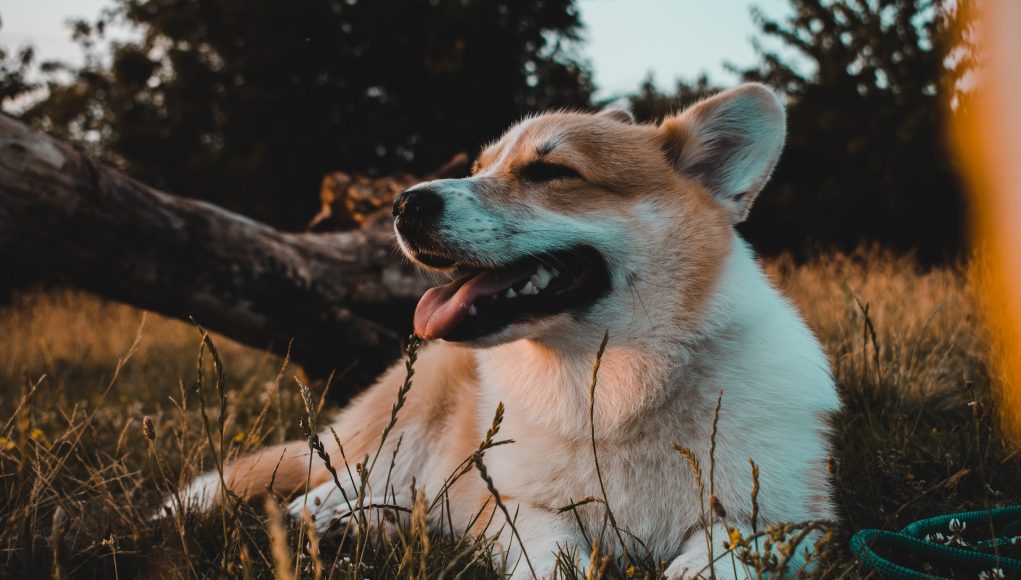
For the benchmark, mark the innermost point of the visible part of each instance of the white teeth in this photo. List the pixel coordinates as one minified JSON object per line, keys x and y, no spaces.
{"x":511,"y":293}
{"x":472,"y":311}
{"x":529,"y":289}
{"x":541,"y":277}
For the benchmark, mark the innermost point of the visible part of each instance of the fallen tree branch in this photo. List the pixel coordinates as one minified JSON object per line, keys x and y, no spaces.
{"x":344,"y":298}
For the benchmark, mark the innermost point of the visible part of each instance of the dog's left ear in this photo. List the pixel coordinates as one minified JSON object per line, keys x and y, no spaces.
{"x":729,"y":143}
{"x":619,"y":114}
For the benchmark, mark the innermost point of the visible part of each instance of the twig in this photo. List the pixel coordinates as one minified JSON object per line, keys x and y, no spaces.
{"x":592,"y":431}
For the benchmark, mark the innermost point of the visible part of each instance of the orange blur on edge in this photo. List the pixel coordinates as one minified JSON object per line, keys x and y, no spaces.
{"x":988,"y":143}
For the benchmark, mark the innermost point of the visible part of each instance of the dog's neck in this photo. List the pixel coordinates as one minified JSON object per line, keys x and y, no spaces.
{"x":549,"y":382}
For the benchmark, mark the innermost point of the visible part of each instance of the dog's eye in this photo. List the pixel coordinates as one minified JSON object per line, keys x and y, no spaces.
{"x":542,"y":171}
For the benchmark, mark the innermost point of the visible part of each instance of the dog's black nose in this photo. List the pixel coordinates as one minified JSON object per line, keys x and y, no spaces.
{"x":417,"y":209}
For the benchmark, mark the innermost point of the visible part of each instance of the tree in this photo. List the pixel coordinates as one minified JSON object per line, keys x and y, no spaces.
{"x":15,"y":72}
{"x":248,"y":104}
{"x":651,"y":105}
{"x":867,"y":155}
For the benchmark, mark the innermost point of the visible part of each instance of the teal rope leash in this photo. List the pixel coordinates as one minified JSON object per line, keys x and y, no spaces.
{"x":940,"y":544}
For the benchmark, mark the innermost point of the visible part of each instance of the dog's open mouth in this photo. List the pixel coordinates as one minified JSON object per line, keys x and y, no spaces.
{"x":482,"y":301}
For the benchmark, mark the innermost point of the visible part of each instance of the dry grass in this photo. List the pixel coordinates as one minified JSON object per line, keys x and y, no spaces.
{"x":884,"y":321}
{"x":79,"y":477}
{"x":919,"y":434}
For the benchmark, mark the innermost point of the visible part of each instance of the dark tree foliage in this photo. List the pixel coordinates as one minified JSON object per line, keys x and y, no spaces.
{"x":249,"y":103}
{"x":14,"y":72}
{"x":651,"y":105}
{"x":867,"y":156}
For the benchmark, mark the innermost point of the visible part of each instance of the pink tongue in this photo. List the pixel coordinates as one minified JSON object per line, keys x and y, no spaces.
{"x":442,"y":308}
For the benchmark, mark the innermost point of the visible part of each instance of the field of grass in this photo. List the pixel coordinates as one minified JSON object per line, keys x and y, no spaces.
{"x":80,"y":478}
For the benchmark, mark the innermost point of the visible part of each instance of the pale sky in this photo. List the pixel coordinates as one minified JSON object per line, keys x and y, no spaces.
{"x":625,"y":38}
{"x":672,"y":38}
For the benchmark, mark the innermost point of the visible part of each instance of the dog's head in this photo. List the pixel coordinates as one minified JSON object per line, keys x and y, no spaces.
{"x":573,"y":222}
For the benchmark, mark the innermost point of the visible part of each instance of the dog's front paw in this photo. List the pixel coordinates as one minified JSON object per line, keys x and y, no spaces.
{"x":331,"y":509}
{"x":201,"y":495}
{"x":687,"y":566}
{"x":326,"y":505}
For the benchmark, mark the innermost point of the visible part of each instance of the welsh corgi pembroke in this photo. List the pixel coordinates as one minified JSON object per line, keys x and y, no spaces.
{"x":572,"y":226}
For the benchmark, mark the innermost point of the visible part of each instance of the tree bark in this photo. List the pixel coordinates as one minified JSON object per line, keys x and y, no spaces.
{"x":343,"y":298}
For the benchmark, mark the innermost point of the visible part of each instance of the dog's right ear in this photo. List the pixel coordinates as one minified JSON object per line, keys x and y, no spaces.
{"x":729,"y":143}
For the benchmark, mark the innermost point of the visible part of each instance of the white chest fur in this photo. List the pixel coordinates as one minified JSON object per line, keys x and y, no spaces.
{"x":651,"y":393}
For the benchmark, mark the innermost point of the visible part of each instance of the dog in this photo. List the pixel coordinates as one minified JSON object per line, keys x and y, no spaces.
{"x":572,"y":227}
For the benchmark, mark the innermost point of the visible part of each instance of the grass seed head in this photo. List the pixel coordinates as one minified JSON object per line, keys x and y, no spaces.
{"x":148,"y":429}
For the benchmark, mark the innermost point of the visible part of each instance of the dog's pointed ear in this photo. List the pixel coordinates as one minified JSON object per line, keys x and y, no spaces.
{"x":729,"y":143}
{"x":619,"y":114}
